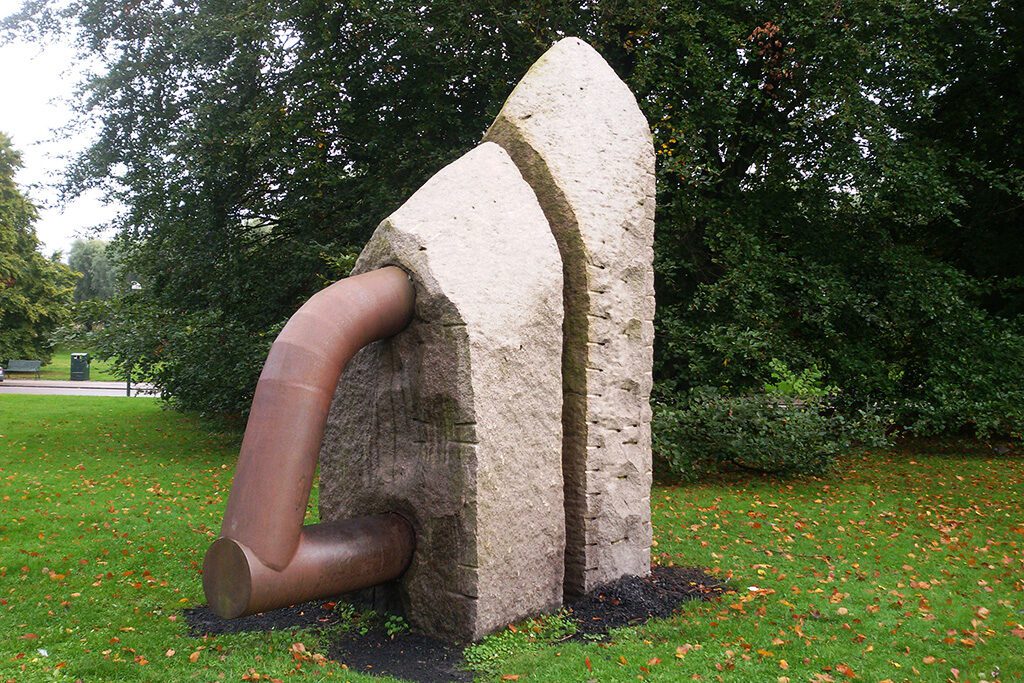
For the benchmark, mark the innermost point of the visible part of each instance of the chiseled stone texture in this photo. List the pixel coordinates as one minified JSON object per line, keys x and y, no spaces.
{"x":575,"y":131}
{"x":456,"y":421}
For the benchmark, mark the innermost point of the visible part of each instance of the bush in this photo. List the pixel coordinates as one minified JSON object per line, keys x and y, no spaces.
{"x":764,"y":432}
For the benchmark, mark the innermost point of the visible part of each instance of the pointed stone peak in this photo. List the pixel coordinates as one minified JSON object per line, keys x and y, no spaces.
{"x":576,"y":132}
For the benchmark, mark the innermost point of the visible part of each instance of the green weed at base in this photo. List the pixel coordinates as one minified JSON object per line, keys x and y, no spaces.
{"x":492,"y":654}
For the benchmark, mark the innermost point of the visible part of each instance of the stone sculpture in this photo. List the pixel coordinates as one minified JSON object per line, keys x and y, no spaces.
{"x":575,"y":133}
{"x":498,"y":444}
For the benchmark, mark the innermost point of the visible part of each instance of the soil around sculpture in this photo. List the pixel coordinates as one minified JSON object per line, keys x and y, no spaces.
{"x":629,"y":601}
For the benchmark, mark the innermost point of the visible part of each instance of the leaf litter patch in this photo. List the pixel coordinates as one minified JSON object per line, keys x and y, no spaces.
{"x":629,"y":601}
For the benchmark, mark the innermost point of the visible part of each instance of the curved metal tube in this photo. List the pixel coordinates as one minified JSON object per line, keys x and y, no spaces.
{"x":265,"y":558}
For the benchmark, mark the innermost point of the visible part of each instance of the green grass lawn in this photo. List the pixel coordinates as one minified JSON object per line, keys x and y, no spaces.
{"x":905,"y":566}
{"x":59,"y":367}
{"x":108,"y":507}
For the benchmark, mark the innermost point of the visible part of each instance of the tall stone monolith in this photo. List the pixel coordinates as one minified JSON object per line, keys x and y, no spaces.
{"x":576,"y":133}
{"x":456,"y":422}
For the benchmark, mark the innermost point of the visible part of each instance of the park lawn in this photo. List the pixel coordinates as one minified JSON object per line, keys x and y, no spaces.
{"x":903,"y":566}
{"x":59,"y":367}
{"x":108,"y":507}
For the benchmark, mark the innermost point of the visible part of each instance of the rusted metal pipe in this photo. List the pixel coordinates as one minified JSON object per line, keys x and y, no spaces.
{"x":265,"y":558}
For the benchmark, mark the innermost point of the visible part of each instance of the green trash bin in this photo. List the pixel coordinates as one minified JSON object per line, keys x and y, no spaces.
{"x":80,"y":366}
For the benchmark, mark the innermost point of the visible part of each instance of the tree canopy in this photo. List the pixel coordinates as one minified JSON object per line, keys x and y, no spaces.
{"x":839,"y":184}
{"x":96,"y":268}
{"x":35,"y":292}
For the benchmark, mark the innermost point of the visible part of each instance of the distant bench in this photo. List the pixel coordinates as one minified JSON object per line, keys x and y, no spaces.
{"x":25,"y":366}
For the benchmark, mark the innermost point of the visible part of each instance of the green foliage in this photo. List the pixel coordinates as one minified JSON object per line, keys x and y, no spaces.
{"x":257,"y":145}
{"x":491,"y":655}
{"x":35,"y":292}
{"x":753,"y":432}
{"x":202,"y":360}
{"x":355,"y":621}
{"x":839,"y":184}
{"x":395,"y":625}
{"x":807,"y":383}
{"x":770,"y":433}
{"x":92,"y":260}
{"x":833,"y":194}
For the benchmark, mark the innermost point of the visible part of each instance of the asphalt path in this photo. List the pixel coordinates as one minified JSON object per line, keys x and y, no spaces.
{"x":54,"y":387}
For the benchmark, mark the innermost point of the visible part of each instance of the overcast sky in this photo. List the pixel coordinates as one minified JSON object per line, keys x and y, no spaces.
{"x":36,"y":83}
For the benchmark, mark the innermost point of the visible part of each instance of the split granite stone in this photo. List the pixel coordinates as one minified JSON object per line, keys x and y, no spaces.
{"x":456,"y":421}
{"x":575,"y":131}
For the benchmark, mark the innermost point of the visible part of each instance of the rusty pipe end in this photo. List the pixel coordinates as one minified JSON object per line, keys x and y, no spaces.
{"x":332,"y":559}
{"x":227,"y":579}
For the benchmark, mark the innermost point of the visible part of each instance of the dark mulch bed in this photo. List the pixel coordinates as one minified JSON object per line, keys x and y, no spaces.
{"x":633,"y":600}
{"x":410,"y":656}
{"x":316,"y":614}
{"x":630,"y":601}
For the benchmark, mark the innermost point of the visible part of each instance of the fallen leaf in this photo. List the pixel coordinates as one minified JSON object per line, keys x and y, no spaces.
{"x":845,"y":670}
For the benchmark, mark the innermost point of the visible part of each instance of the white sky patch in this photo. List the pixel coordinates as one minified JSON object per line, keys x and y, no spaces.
{"x":37,"y":83}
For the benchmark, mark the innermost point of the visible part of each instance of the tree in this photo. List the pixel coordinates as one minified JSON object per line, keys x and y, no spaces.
{"x":256,"y":146}
{"x":35,"y":292}
{"x":98,"y":274}
{"x":819,"y":166}
{"x":832,"y":176}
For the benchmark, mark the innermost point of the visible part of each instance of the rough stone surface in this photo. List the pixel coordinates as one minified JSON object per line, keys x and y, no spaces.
{"x":575,"y":131}
{"x":456,"y":421}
